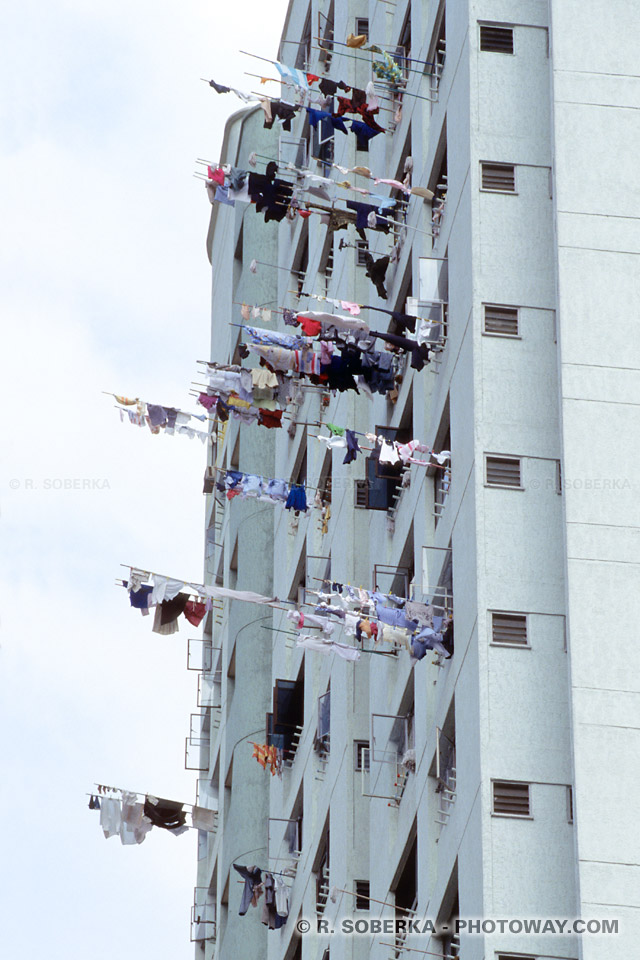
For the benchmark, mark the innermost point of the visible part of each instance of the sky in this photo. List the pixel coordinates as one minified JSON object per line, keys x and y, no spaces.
{"x":104,"y":286}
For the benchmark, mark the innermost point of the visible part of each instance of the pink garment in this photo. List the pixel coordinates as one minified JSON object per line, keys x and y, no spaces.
{"x":406,"y":451}
{"x":245,"y":312}
{"x":326,"y":350}
{"x":353,"y":308}
{"x":207,"y":401}
{"x":396,"y":184}
{"x":216,"y":174}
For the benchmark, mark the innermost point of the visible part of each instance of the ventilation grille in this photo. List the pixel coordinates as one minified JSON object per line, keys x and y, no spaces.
{"x":361,"y":498}
{"x":509,"y":628}
{"x":501,"y":320}
{"x":511,"y":799}
{"x":503,"y":471}
{"x":496,"y":39}
{"x":362,"y":894}
{"x":499,"y":176}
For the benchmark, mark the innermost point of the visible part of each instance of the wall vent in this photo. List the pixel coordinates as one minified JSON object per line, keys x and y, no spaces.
{"x":500,"y":177}
{"x":509,"y":628}
{"x":503,"y":471}
{"x":501,"y":320}
{"x":496,"y":39}
{"x":511,"y":799}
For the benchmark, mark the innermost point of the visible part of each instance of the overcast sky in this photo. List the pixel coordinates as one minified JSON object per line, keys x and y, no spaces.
{"x":105,"y":286}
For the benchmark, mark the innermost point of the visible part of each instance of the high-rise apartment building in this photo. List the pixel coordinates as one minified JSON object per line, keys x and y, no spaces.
{"x":501,"y":782}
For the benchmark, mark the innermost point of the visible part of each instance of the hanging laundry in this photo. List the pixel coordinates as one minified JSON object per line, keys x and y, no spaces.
{"x":94,"y":803}
{"x":194,"y":612}
{"x":293,"y":75}
{"x":252,"y":877}
{"x":329,"y":87}
{"x":356,"y":41}
{"x":419,"y":352}
{"x":168,"y":814}
{"x":363,"y":211}
{"x":333,"y":123}
{"x":219,"y":88}
{"x":376,"y":270}
{"x":271,"y":419}
{"x":352,"y":447}
{"x":110,"y":817}
{"x":282,"y":897}
{"x":328,"y":647}
{"x":203,"y":819}
{"x":167,"y":613}
{"x":270,"y":916}
{"x":364,"y":133}
{"x":297,"y":499}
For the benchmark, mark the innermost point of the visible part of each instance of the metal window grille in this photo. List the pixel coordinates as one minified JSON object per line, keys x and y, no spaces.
{"x":509,"y":628}
{"x":501,"y":320}
{"x":570,"y":804}
{"x":511,"y":799}
{"x":500,"y":177}
{"x":503,"y":471}
{"x":362,"y":247}
{"x":496,"y":39}
{"x":362,"y":26}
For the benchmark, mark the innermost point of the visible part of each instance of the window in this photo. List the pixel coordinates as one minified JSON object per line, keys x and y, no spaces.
{"x":558,"y":476}
{"x":362,"y":26}
{"x":439,"y":187}
{"x":569,"y":804}
{"x":496,"y":39}
{"x":362,"y":894}
{"x":515,"y":956}
{"x":500,"y":321}
{"x":363,"y":248}
{"x":499,"y":177}
{"x":503,"y":472}
{"x":402,"y":54}
{"x":437,"y":51}
{"x":322,"y":871}
{"x":324,"y":721}
{"x":360,"y":755}
{"x":510,"y":629}
{"x":361,"y":494}
{"x":303,"y":57}
{"x":287,"y":719}
{"x":511,"y":799}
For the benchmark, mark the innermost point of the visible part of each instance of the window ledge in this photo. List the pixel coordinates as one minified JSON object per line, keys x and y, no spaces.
{"x":509,"y":193}
{"x":512,"y":646}
{"x":502,"y":336}
{"x":501,"y":486}
{"x":512,"y":816}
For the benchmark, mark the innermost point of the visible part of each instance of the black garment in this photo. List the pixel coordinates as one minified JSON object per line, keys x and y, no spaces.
{"x":337,"y":587}
{"x":270,"y":194}
{"x":284,"y":111}
{"x":170,"y":610}
{"x":140,"y":598}
{"x":403,"y":320}
{"x":252,"y":877}
{"x":447,"y":639}
{"x":362,"y":211}
{"x":377,"y":371}
{"x":222,"y":410}
{"x":419,"y":352}
{"x":167,"y":814}
{"x":352,"y":452}
{"x":340,"y":371}
{"x":377,"y":271}
{"x":329,"y":87}
{"x":94,"y":803}
{"x":218,"y":87}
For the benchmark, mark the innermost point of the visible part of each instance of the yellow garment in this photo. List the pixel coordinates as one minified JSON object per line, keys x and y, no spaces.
{"x":343,"y":183}
{"x":358,"y":41}
{"x":125,"y":400}
{"x":234,"y":401}
{"x":363,"y":171}
{"x":264,"y":79}
{"x":365,"y":626}
{"x":325,"y":520}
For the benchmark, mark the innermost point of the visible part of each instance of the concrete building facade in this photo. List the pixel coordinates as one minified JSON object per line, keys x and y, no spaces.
{"x":501,"y":783}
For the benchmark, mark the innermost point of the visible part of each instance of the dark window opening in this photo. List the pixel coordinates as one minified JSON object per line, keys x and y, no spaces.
{"x":286,"y":721}
{"x":362,"y":894}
